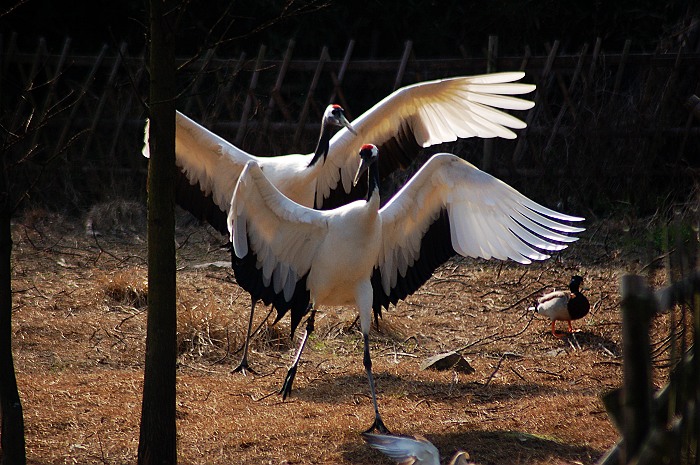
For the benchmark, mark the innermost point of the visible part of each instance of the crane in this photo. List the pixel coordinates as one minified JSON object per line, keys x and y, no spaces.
{"x":370,"y":256}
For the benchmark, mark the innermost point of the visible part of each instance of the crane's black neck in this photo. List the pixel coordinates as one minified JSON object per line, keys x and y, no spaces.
{"x":323,"y":144}
{"x":373,"y":181}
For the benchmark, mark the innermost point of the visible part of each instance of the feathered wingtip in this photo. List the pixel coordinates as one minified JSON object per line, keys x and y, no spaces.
{"x":237,"y":229}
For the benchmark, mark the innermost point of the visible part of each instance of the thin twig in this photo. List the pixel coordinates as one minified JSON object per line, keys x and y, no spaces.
{"x":498,"y":366}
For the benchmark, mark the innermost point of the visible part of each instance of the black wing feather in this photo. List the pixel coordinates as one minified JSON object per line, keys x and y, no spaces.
{"x":435,"y":249}
{"x":194,"y":200}
{"x":398,"y":152}
{"x":250,"y":278}
{"x":395,"y":153}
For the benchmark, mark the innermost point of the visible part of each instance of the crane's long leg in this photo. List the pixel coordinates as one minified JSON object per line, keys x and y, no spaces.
{"x":367,"y":361}
{"x":243,"y":365}
{"x":292,"y":372}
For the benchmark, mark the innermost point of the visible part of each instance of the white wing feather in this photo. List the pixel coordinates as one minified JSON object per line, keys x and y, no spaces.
{"x":405,"y":450}
{"x":488,"y":218}
{"x":206,"y":158}
{"x":284,"y":235}
{"x":436,"y":111}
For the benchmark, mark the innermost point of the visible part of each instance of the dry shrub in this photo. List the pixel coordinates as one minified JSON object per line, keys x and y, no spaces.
{"x":126,"y":288}
{"x":121,"y":218}
{"x":271,"y":337}
{"x":202,"y":328}
{"x":213,"y":320}
{"x":45,"y":222}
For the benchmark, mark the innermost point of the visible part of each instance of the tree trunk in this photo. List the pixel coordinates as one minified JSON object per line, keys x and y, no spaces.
{"x":157,"y":442}
{"x":12,"y":447}
{"x":12,"y":450}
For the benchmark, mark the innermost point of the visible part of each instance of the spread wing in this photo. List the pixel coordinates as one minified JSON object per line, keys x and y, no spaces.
{"x":422,"y":115}
{"x":450,"y":206}
{"x":209,"y":167}
{"x":404,"y":450}
{"x":274,"y":243}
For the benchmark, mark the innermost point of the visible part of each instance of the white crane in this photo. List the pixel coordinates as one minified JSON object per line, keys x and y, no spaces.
{"x":407,"y":450}
{"x":408,"y":119}
{"x":369,"y":256}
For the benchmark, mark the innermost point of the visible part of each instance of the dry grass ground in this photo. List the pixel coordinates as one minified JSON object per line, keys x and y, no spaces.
{"x":79,"y":336}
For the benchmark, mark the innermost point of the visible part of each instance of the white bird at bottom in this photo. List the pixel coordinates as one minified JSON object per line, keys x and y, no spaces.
{"x":412,"y":450}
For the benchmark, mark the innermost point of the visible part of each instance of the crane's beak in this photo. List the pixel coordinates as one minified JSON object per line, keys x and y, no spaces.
{"x":364,"y":165}
{"x":344,"y":121}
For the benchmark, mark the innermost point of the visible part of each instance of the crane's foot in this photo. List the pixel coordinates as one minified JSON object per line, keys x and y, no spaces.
{"x":378,"y":426}
{"x":288,"y":380}
{"x":244,"y":369}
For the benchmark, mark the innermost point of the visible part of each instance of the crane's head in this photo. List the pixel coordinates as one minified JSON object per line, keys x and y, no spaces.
{"x":369,"y":153}
{"x":335,"y":115}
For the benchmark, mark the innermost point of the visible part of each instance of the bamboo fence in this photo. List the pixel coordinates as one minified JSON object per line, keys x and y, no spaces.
{"x":608,"y":124}
{"x":662,"y":426}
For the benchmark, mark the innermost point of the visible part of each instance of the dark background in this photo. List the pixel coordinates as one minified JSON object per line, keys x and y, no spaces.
{"x":631,"y":150}
{"x":380,"y":27}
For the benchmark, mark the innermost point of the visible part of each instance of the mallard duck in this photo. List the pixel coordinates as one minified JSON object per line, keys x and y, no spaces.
{"x":564,"y":306}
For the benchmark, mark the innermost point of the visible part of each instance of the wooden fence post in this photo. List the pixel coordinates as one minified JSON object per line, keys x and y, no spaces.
{"x":402,"y":66}
{"x":224,"y":93}
{"x":123,"y":113}
{"x":309,"y":97}
{"x":621,"y":66}
{"x":567,"y":100}
{"x":276,"y":94}
{"x":338,"y":80}
{"x":52,"y":87}
{"x":76,"y":103}
{"x":250,"y":97}
{"x":103,"y":97}
{"x":638,"y":306}
{"x":542,"y":86}
{"x":196,"y":81}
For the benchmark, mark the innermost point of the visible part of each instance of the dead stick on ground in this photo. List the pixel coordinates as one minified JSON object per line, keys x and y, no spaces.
{"x":498,"y":366}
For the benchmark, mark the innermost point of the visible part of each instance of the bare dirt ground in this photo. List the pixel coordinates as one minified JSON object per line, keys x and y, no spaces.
{"x":79,"y":335}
